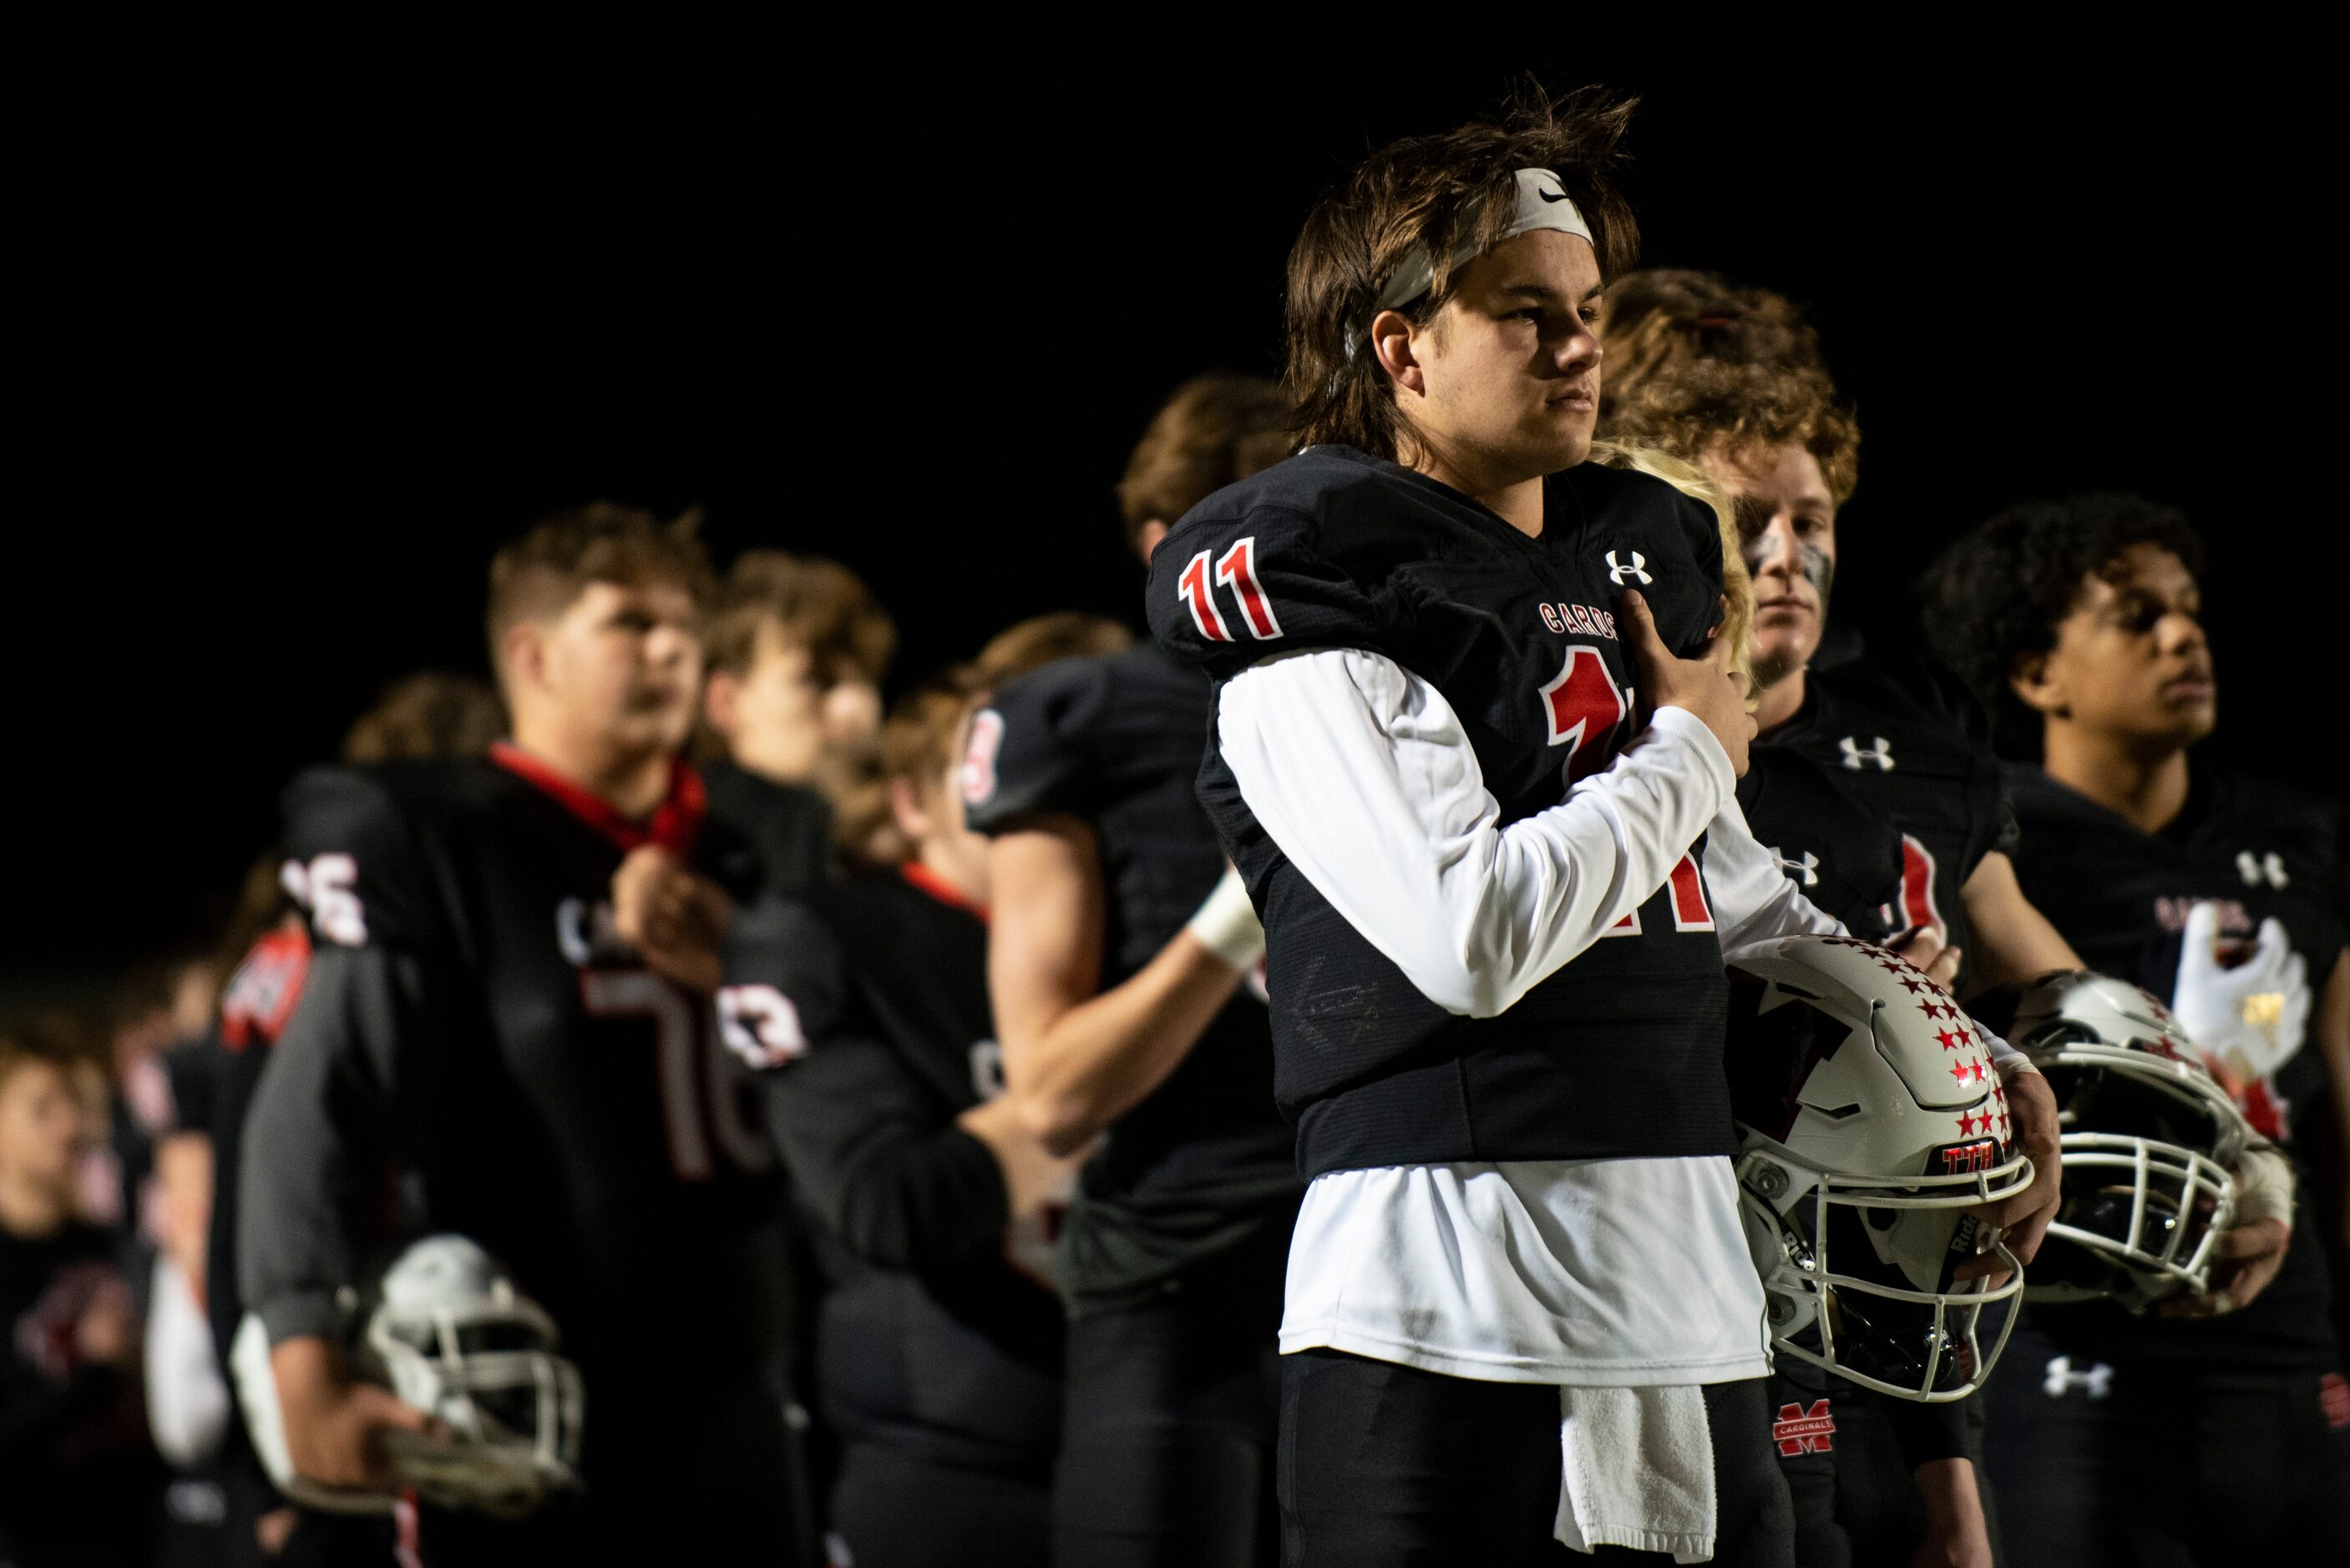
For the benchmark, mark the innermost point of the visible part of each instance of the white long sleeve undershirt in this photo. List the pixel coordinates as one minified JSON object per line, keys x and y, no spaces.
{"x":1594,"y":1272}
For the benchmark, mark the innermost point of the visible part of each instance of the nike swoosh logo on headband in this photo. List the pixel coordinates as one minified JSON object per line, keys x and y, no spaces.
{"x":1547,"y":197}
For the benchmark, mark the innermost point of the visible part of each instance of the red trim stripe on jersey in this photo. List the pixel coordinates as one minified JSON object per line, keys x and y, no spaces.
{"x":923,"y":878}
{"x":1918,"y":889}
{"x":674,"y":823}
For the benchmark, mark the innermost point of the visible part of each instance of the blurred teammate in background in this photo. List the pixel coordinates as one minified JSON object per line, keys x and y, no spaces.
{"x":797,"y":648}
{"x":267,"y":948}
{"x":2212,"y":1430}
{"x":509,"y":1011}
{"x":79,"y":1485}
{"x":1116,"y":950}
{"x":932,"y":1204}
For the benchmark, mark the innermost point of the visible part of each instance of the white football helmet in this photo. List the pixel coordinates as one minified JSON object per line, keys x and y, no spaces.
{"x":454,"y":1338}
{"x":1870,"y":1119}
{"x":2148,"y":1136}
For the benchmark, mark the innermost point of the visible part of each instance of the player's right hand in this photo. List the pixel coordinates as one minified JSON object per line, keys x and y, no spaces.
{"x":1924,"y":950}
{"x":675,"y":918}
{"x":334,"y":1425}
{"x":2251,"y":1016}
{"x":1705,"y":687}
{"x":106,"y":1334}
{"x":1033,"y":1175}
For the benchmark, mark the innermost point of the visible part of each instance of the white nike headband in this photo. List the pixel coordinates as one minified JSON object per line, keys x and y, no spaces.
{"x":1543,"y":204}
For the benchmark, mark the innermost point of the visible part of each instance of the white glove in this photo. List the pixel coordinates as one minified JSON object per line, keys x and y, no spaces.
{"x":2264,"y":1186}
{"x":2250,"y":1019}
{"x":1225,"y":923}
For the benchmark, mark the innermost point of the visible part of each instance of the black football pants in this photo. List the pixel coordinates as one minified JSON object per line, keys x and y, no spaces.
{"x":1857,"y":1501}
{"x":1390,"y":1467}
{"x":893,"y":1509}
{"x":2152,"y":1465}
{"x":1167,"y":1444}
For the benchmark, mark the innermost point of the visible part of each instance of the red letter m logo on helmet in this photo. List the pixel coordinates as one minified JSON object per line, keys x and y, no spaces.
{"x":1801,"y":1431}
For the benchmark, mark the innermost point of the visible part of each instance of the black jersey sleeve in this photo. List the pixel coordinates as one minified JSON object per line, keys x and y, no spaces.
{"x":1703,"y":531}
{"x":330,"y":1112}
{"x":1033,"y":749}
{"x":356,"y":862}
{"x":872,"y":1149}
{"x":1244,"y":577}
{"x":323,"y":1130}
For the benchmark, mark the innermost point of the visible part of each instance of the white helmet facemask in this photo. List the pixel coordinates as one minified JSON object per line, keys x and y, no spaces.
{"x":458,"y":1342}
{"x":1870,"y":1121}
{"x":2148,"y":1137}
{"x":453,"y":1338}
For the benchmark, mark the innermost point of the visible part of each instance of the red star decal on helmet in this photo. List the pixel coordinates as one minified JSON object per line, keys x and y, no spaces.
{"x":1966,"y":1126}
{"x":1952,"y":1040}
{"x":1936,"y":1010}
{"x":1915,"y":985}
{"x":1959,"y":1071}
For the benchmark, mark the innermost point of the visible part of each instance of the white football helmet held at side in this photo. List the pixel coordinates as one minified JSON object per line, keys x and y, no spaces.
{"x":454,"y":1338}
{"x":1871,"y":1120}
{"x":2149,"y":1139}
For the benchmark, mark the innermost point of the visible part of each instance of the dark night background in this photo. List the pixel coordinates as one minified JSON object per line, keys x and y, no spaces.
{"x":293,"y":348}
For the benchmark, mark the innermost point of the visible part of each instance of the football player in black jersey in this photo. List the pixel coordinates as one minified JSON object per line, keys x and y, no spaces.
{"x":429,"y":714}
{"x":796,"y":648}
{"x":1857,"y":771}
{"x":81,"y":1479}
{"x":932,"y":1204}
{"x":1732,"y":378}
{"x":2213,"y":1430}
{"x":1115,"y":953}
{"x":507,"y":1032}
{"x":1496,"y":886}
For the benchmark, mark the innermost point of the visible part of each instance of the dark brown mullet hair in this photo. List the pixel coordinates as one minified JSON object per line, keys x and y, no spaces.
{"x":1444,"y":193}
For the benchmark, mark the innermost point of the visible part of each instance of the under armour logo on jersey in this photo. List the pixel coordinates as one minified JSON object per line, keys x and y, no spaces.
{"x":2062,"y":1379}
{"x":1855,"y":754}
{"x":1617,"y":572}
{"x":1801,"y":1431}
{"x":1805,"y":871}
{"x":2255,"y":869}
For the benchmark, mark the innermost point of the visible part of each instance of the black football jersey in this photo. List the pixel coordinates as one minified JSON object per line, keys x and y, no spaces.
{"x":476,"y":1050}
{"x":1203,"y":1162}
{"x":788,"y":826}
{"x":1905,"y":738}
{"x":1618,"y":1052}
{"x":938,"y":1332}
{"x":2120,"y":897}
{"x":1845,"y":854}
